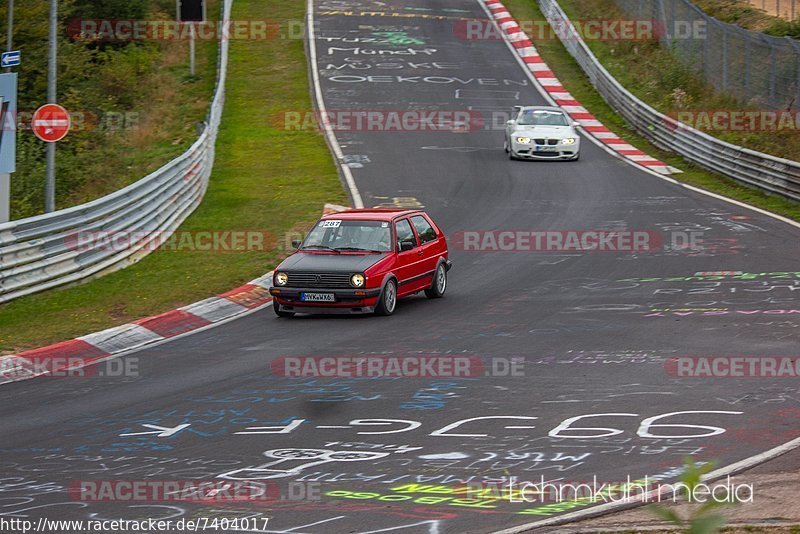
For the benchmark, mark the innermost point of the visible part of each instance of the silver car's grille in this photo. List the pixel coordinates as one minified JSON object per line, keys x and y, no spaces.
{"x":326,"y":280}
{"x":543,"y":141}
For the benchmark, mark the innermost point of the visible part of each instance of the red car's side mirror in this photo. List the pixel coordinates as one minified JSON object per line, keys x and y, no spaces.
{"x":407,"y":245}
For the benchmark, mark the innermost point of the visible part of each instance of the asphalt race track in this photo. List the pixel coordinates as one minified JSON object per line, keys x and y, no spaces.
{"x":592,"y":333}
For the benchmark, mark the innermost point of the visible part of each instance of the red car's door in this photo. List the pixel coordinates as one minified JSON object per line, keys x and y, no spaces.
{"x":431,"y":249}
{"x":409,"y":262}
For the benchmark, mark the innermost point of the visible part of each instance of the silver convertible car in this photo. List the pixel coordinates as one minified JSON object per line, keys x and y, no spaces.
{"x":542,"y":132}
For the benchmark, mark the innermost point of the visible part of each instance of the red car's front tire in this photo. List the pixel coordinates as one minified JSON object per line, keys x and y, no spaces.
{"x":387,"y":302}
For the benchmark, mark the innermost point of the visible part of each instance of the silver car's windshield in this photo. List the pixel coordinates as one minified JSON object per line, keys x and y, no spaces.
{"x":350,"y":236}
{"x":541,"y":118}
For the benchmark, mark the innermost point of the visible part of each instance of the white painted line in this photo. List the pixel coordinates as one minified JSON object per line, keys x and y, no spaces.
{"x":337,"y":149}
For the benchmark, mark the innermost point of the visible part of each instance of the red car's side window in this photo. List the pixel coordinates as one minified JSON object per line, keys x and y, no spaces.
{"x":433,"y":224}
{"x":425,"y":231}
{"x":404,"y":232}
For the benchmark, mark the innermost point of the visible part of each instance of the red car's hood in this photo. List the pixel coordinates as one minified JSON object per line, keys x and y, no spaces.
{"x":324,"y":262}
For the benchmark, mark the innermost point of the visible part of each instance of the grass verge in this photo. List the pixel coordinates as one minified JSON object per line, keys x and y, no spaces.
{"x":264,"y":179}
{"x":576,"y":82}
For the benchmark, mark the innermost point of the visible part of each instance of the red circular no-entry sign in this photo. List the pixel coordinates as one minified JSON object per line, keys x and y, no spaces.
{"x":51,"y":123}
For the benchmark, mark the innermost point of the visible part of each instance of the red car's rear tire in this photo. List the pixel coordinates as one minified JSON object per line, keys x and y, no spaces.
{"x":439,"y":284}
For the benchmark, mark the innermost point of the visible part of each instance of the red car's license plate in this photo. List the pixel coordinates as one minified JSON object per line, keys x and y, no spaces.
{"x":317,"y":297}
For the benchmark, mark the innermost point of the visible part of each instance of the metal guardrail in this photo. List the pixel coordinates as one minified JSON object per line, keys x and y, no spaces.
{"x":769,"y":173}
{"x":117,"y":230}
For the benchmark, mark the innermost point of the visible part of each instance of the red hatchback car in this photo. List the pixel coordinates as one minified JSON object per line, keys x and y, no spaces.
{"x":362,"y":261}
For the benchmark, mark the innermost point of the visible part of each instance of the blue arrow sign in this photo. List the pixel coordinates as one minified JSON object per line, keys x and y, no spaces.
{"x":10,"y":59}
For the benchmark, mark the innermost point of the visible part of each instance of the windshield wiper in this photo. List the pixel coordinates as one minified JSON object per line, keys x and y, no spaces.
{"x":358,"y":249}
{"x":321,"y":247}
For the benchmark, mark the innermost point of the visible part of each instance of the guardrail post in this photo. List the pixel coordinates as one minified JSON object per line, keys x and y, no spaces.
{"x":772,"y":74}
{"x":724,"y":58}
{"x":747,"y":56}
{"x":5,"y":196}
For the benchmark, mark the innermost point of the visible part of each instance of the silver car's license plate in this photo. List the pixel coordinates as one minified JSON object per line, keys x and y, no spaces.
{"x":545,"y":148}
{"x":317,"y":297}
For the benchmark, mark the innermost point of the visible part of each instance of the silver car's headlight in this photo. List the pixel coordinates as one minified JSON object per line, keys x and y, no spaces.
{"x":281,"y":279}
{"x":524,"y":140}
{"x":568,"y":141}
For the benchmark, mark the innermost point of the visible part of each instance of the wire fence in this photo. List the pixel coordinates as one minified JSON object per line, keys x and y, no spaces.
{"x":762,"y":171}
{"x":787,"y":9}
{"x":758,"y":69}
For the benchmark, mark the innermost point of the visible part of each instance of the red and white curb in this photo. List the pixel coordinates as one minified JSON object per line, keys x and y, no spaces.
{"x":551,"y":84}
{"x":92,"y":348}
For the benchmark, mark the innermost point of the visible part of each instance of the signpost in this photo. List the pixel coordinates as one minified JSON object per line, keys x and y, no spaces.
{"x":10,"y":59}
{"x":8,"y":139}
{"x":191,"y":11}
{"x":8,"y":119}
{"x":51,"y":123}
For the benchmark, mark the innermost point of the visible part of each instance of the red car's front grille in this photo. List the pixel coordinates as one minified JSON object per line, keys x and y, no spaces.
{"x":324,"y":280}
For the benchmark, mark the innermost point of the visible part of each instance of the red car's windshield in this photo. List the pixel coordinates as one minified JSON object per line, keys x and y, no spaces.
{"x":350,"y":236}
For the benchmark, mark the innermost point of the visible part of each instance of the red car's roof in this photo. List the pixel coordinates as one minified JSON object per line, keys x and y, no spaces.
{"x":376,"y":214}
